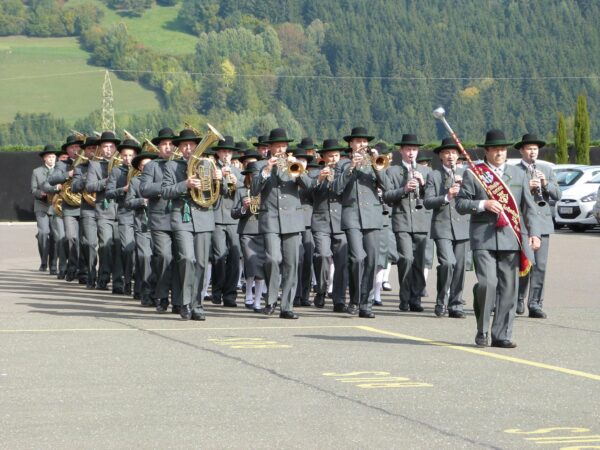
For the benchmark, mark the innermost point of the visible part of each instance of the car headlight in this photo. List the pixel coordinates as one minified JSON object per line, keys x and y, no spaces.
{"x":589,"y":198}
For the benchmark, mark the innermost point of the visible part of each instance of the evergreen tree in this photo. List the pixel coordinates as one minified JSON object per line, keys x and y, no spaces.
{"x":562,"y":151}
{"x":582,"y":132}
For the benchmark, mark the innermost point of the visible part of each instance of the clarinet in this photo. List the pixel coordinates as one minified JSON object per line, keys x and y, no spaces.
{"x":417,"y":191}
{"x":538,"y":197}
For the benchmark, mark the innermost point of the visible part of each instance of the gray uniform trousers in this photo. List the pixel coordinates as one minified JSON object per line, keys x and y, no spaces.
{"x":328,"y":246}
{"x":412,"y":248}
{"x":534,"y":280}
{"x":363,"y":248}
{"x":451,"y":272}
{"x":88,"y":227}
{"x":40,"y":208}
{"x":226,"y":253}
{"x":43,"y":238}
{"x":109,"y":252}
{"x":305,"y":258}
{"x":282,"y":249}
{"x":191,"y":261}
{"x":57,"y":229}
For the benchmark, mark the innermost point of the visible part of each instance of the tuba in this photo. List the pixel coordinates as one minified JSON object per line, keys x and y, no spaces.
{"x":203,"y":168}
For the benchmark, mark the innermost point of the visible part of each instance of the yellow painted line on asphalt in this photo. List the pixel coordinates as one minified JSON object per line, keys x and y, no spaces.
{"x":476,"y":351}
{"x":73,"y":330}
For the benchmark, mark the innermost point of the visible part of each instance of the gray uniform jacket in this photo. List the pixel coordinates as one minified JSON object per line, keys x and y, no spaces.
{"x":97,"y":178}
{"x":483,"y":231}
{"x":361,"y":206}
{"x":247,"y":222}
{"x":38,"y":178}
{"x":137,"y":204}
{"x":59,"y":176}
{"x":446,"y":222}
{"x":225,"y":202}
{"x":159,"y":213}
{"x":78,"y":186}
{"x":327,"y":209}
{"x":551,"y":191}
{"x":115,"y":191}
{"x":404,"y":215}
{"x":174,"y":188}
{"x":280,"y":209}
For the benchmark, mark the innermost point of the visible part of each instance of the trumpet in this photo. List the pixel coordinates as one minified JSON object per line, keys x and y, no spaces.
{"x":377,"y":162}
{"x":254,"y":203}
{"x":228,"y":179}
{"x":416,"y":194}
{"x":538,"y":197}
{"x":292,"y":168}
{"x":331,"y":174}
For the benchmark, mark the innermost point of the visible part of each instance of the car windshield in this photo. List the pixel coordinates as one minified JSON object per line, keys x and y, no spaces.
{"x":596,"y":179}
{"x":567,"y":177}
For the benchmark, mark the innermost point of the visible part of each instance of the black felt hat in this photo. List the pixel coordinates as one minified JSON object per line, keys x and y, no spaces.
{"x":225,"y":144}
{"x":447,"y":142}
{"x":262,"y":140}
{"x":422,"y":157}
{"x":241,"y":146}
{"x":187,"y":135}
{"x":250,"y":169}
{"x":530,"y":138}
{"x":108,"y":136}
{"x":495,"y":138}
{"x":409,"y":139}
{"x":90,"y":141}
{"x":164,"y":133}
{"x":301,"y":153}
{"x":49,"y":148}
{"x":331,"y":145}
{"x":278,"y":135}
{"x":307,"y":144}
{"x":129,"y":143}
{"x":135,"y":162}
{"x":382,"y":148}
{"x":250,"y":154}
{"x":359,"y":132}
{"x":71,"y":140}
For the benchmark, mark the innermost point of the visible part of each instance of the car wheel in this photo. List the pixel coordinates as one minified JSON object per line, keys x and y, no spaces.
{"x":579,"y":228}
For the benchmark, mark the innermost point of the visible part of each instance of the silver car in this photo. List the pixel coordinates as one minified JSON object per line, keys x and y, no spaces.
{"x":574,"y":209}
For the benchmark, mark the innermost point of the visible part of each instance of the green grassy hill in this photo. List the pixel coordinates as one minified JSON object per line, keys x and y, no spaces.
{"x":157,"y":28}
{"x":52,"y":75}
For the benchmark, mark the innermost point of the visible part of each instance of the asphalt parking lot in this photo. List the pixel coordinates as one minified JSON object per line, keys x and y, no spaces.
{"x":87,"y":369}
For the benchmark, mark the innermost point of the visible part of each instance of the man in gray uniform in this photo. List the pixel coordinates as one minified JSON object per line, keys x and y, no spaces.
{"x":88,"y":224}
{"x":109,"y":246}
{"x":496,"y":240}
{"x":358,"y":184}
{"x":280,"y":220}
{"x":326,"y":224}
{"x":116,"y":189}
{"x":226,"y":250}
{"x":41,"y":204}
{"x":159,"y":223}
{"x":411,"y":222}
{"x":544,"y":187}
{"x":191,"y":223}
{"x":64,"y":171}
{"x":449,"y":230}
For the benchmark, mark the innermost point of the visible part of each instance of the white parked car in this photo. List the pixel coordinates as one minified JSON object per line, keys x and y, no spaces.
{"x":596,"y":209}
{"x":574,"y":209}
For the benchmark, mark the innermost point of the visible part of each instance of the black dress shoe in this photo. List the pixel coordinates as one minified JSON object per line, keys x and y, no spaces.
{"x":249,"y":305}
{"x":288,"y":315}
{"x":340,"y":308}
{"x":352,"y":309}
{"x":505,"y":343}
{"x":215,"y":300}
{"x":147,"y":301}
{"x":366,"y":314}
{"x":439,"y":310}
{"x":102,"y":286}
{"x":43,"y":268}
{"x":319,"y":301}
{"x":61,"y":275}
{"x":176,"y":309}
{"x":198,"y":315}
{"x":118,"y":290}
{"x":127,"y":289}
{"x":537,"y":313}
{"x":268,"y":310}
{"x":377,"y":303}
{"x":90,"y":286}
{"x":229,"y":304}
{"x":163,"y":305}
{"x":83,"y":280}
{"x":520,"y":307}
{"x":481,"y":339}
{"x":70,"y":276}
{"x":186,"y":312}
{"x":457,"y":314}
{"x":386,"y":286}
{"x":403,"y":306}
{"x":416,"y":308}
{"x":305,"y":303}
{"x":53,"y":272}
{"x":257,"y":310}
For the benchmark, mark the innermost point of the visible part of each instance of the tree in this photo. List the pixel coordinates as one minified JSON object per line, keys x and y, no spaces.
{"x":582,"y":132}
{"x":562,"y":151}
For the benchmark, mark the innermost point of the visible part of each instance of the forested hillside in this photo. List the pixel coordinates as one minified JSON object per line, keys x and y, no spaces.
{"x":319,"y":68}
